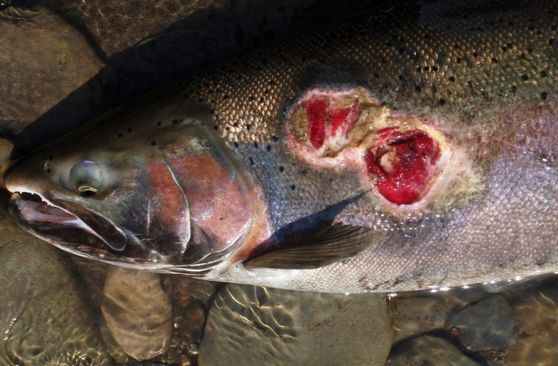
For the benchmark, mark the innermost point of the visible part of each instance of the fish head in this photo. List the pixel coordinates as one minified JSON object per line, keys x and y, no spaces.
{"x":148,"y":192}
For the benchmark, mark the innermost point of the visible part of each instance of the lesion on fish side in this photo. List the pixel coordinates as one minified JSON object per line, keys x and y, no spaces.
{"x":406,"y":162}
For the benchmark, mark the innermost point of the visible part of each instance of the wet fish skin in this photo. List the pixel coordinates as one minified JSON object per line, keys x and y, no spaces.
{"x":483,"y":73}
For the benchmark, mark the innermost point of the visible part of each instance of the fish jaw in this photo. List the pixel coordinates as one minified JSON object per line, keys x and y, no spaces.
{"x":60,"y":227}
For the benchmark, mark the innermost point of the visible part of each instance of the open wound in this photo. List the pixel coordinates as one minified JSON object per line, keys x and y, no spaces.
{"x":400,"y":157}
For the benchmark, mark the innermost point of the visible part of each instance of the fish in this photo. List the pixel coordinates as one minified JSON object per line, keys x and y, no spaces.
{"x":404,"y":149}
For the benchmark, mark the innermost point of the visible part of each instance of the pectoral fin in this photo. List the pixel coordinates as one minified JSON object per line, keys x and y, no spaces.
{"x":309,"y":250}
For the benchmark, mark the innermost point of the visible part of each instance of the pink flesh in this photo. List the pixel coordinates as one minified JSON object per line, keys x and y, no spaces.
{"x":316,"y":111}
{"x":402,"y":162}
{"x":326,"y":119}
{"x":386,"y":132}
{"x":40,"y":212}
{"x":340,"y":119}
{"x":414,"y":155}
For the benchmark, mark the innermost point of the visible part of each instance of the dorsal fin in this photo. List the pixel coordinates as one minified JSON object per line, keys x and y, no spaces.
{"x":316,"y":248}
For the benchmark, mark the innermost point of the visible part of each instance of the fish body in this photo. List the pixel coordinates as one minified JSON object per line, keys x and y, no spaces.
{"x":408,"y":149}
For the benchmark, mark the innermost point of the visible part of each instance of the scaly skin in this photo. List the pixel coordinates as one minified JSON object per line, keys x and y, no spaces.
{"x":479,"y":80}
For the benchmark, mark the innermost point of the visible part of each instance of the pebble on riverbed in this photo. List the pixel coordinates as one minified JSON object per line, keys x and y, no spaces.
{"x":5,"y":151}
{"x":536,"y":315}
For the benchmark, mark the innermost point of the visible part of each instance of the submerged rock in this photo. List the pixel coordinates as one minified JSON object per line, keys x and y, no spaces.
{"x":431,"y":351}
{"x":487,"y":324}
{"x":250,"y":325}
{"x":536,"y":315}
{"x":191,"y":300}
{"x":92,"y":276}
{"x":43,"y":319}
{"x":116,"y":25}
{"x":138,"y":312}
{"x":43,"y":59}
{"x":420,"y":312}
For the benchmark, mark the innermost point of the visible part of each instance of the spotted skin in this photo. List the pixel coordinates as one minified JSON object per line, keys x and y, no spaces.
{"x":479,"y":77}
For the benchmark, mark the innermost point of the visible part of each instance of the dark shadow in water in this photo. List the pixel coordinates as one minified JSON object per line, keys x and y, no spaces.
{"x":444,"y":334}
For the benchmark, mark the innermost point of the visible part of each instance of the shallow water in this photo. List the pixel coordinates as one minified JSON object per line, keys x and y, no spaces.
{"x":58,"y":310}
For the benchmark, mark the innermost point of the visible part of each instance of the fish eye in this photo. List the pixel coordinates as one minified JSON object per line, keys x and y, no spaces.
{"x":86,"y":178}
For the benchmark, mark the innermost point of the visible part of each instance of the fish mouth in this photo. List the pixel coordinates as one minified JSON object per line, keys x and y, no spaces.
{"x":73,"y":229}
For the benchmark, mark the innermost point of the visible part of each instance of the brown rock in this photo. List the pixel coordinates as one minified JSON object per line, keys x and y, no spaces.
{"x":138,"y":312}
{"x":429,"y":350}
{"x":43,"y":59}
{"x":536,"y":316}
{"x":419,"y":312}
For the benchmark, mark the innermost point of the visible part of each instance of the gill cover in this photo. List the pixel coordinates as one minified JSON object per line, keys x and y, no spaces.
{"x":167,"y":214}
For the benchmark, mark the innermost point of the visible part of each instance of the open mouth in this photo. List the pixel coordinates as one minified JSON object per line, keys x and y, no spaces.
{"x":72,"y":228}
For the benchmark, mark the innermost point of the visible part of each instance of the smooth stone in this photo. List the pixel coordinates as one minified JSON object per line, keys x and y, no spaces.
{"x":93,"y":274}
{"x":485,"y":325}
{"x":536,"y":315}
{"x":421,"y":312}
{"x":431,"y":351}
{"x":43,"y":59}
{"x":44,"y":320}
{"x":138,"y":312}
{"x":187,"y":289}
{"x":250,"y":325}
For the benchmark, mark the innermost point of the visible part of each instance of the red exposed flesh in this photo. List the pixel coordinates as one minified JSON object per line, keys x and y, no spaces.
{"x":326,"y":119}
{"x":385,"y":132}
{"x":340,"y":119}
{"x":316,"y":111}
{"x":413,"y":155}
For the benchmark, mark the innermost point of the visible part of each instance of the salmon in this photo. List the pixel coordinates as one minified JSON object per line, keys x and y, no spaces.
{"x":409,"y":149}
